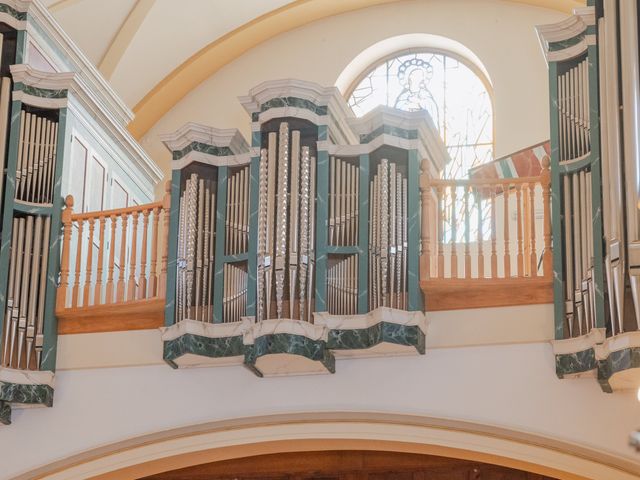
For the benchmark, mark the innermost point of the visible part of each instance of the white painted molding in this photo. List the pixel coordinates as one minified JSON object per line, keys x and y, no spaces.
{"x":287,"y":326}
{"x":374,"y":317}
{"x":26,"y":377}
{"x":209,"y":330}
{"x":579,"y":344}
{"x":616,"y":343}
{"x":564,"y":30}
{"x":337,"y":107}
{"x":196,"y":132}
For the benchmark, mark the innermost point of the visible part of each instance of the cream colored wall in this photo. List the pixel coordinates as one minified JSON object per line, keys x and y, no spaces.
{"x":500,"y":33}
{"x":511,"y":387}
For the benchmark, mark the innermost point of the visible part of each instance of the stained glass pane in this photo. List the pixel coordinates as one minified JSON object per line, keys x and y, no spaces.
{"x":453,"y":94}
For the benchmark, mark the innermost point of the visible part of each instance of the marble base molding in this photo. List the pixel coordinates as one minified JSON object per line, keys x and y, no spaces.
{"x":24,"y":388}
{"x":614,"y":362}
{"x":293,"y":347}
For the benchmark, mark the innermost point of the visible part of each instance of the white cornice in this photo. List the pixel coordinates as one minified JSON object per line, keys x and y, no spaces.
{"x":338,"y":112}
{"x":578,"y":344}
{"x":568,"y":28}
{"x":195,"y":132}
{"x":36,"y":78}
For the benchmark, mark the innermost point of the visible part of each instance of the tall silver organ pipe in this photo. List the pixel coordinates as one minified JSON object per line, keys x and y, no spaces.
{"x":235,"y":293}
{"x":196,"y":242}
{"x":285,"y":226}
{"x":237,"y":217}
{"x":388,"y":237}
{"x":343,"y":202}
{"x":573,"y":112}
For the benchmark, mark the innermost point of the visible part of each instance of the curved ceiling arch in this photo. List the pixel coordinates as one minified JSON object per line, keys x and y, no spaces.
{"x":245,"y":437}
{"x":208,"y":60}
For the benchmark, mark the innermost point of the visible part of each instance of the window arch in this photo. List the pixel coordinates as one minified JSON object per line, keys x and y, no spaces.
{"x":454,"y":92}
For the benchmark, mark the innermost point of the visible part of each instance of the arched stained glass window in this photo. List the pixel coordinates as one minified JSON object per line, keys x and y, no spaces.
{"x":452,"y":91}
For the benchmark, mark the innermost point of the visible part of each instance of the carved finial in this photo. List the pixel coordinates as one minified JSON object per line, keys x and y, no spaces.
{"x":546,"y":162}
{"x":167,"y":186}
{"x":68,"y":201}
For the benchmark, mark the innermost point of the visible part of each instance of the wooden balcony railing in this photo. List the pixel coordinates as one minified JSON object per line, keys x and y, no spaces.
{"x":486,"y":242}
{"x":113,"y":258}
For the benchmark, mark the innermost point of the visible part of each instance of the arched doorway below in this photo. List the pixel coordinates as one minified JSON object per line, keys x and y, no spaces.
{"x":346,"y":465}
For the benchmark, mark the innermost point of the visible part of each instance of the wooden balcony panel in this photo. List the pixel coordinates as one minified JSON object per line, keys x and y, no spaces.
{"x":458,"y":294}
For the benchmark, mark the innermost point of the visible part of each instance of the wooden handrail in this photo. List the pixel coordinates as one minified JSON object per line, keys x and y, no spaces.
{"x":115,"y":211}
{"x":117,"y":273}
{"x":483,"y":182}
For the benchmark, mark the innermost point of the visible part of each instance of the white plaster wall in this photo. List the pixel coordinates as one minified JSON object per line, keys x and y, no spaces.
{"x":500,"y":33}
{"x":509,"y":386}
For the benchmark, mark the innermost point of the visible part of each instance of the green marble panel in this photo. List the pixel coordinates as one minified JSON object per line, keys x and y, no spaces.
{"x":617,"y":361}
{"x":41,"y":92}
{"x":295,"y":102}
{"x":202,"y":148}
{"x":21,"y":16}
{"x":578,"y":362}
{"x":383,"y":332}
{"x":315,"y":350}
{"x":28,"y":394}
{"x":389,"y":130}
{"x":569,"y":42}
{"x":5,"y":413}
{"x":203,"y":346}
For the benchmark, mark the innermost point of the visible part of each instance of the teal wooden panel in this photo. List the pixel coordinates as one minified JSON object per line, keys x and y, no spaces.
{"x":556,"y":207}
{"x":413,"y":232}
{"x":252,"y":264}
{"x":221,"y":208}
{"x":363,"y":235}
{"x":322,"y":223}
{"x":172,"y":251}
{"x":50,"y":341}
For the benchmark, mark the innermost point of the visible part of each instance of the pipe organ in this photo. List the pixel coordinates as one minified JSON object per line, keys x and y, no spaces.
{"x":576,"y":176}
{"x":321,"y":214}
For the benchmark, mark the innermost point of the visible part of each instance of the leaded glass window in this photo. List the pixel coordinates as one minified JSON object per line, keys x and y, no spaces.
{"x":455,"y":96}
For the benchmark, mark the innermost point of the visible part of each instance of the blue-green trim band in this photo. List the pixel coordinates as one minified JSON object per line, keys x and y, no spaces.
{"x":563,"y":44}
{"x":578,"y":362}
{"x":203,"y":148}
{"x":383,"y":332}
{"x":5,"y":413}
{"x":27,"y":394}
{"x":204,"y":346}
{"x":21,"y":16}
{"x":389,"y":130}
{"x":295,"y":102}
{"x":315,"y":350}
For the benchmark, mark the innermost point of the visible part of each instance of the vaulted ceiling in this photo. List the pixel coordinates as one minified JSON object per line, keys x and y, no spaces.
{"x":155,"y":51}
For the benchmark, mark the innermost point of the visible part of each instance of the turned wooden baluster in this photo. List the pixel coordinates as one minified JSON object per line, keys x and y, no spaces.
{"x":467,"y":233}
{"x":61,"y":298}
{"x":526,"y":231}
{"x":153,"y":281}
{"x":142,"y":279}
{"x":166,"y":206}
{"x":76,"y":281}
{"x":131,"y":284}
{"x":534,"y":259}
{"x":494,"y":253}
{"x":120,"y":290}
{"x":545,"y":180}
{"x":112,"y":259}
{"x":425,"y":258}
{"x":88,"y":272}
{"x":454,"y":233}
{"x":97,"y":292}
{"x":506,"y":222}
{"x":519,"y":227}
{"x":440,"y":233}
{"x":479,"y":193}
